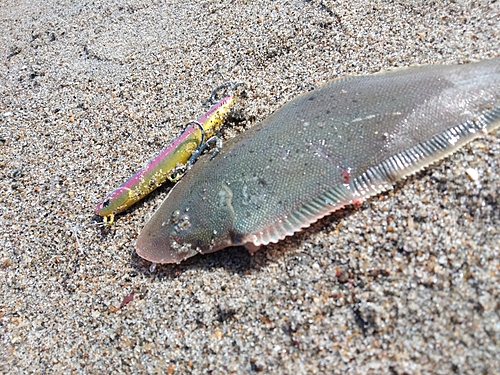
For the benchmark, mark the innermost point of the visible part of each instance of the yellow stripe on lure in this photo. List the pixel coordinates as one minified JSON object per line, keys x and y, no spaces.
{"x":167,"y":163}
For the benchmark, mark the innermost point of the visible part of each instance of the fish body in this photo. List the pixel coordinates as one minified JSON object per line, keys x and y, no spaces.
{"x":334,"y":146}
{"x":162,"y":167}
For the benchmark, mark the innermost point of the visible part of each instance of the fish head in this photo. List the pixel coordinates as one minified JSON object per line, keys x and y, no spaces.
{"x":193,"y":219}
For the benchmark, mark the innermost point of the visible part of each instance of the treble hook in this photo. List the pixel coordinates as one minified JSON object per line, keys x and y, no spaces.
{"x":200,"y":149}
{"x":228,"y":85}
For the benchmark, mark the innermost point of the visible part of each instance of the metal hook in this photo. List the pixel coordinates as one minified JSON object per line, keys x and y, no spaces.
{"x":211,"y":100}
{"x":203,"y":147}
{"x":194,"y":122}
{"x":228,"y":85}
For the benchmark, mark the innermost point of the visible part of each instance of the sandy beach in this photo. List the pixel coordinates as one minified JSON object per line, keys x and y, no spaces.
{"x":406,"y":283}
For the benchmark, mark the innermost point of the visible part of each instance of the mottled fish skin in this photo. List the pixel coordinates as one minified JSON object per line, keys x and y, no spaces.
{"x":327,"y":148}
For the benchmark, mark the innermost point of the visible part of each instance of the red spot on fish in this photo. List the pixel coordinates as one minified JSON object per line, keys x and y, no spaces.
{"x":346,"y":174}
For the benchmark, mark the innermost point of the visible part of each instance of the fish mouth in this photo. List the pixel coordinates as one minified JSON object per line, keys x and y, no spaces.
{"x":163,"y":249}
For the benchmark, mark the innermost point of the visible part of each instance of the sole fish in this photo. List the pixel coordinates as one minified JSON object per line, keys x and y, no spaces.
{"x":328,"y":148}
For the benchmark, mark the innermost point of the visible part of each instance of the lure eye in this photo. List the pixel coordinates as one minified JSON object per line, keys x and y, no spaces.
{"x":106,"y":203}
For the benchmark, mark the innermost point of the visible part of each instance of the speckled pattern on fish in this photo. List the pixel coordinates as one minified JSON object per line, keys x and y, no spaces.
{"x":328,"y":148}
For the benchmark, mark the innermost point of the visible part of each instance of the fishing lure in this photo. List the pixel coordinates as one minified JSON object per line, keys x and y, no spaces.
{"x":170,"y":162}
{"x":337,"y":145}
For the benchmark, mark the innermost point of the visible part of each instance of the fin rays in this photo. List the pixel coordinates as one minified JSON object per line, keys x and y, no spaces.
{"x":378,"y":178}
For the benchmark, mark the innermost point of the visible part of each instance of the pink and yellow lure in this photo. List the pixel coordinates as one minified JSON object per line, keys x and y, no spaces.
{"x":166,"y":165}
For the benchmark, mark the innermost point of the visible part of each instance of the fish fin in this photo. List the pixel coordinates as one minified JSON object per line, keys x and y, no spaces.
{"x":338,"y":197}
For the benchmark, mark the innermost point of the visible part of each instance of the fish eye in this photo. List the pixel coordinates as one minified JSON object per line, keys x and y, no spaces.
{"x":183,"y":224}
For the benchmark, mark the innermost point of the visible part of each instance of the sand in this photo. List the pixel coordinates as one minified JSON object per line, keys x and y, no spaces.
{"x":407,"y":283}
